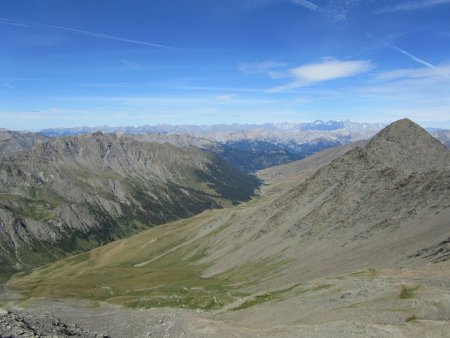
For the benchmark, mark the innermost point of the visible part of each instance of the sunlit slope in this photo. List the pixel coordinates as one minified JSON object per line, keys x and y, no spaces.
{"x":382,"y":205}
{"x":158,"y":267}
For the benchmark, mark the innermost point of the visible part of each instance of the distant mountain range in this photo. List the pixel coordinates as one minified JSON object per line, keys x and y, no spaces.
{"x":252,"y":147}
{"x":249,"y":147}
{"x":218,"y":129}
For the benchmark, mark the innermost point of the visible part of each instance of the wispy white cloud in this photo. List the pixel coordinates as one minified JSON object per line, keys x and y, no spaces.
{"x":340,"y":14}
{"x":415,"y":73}
{"x":329,"y":13}
{"x":26,"y":24}
{"x":131,"y":64}
{"x":327,"y":70}
{"x":224,"y":98}
{"x":412,"y":57}
{"x":413,"y":5}
{"x":402,"y":51}
{"x":233,"y":89}
{"x":268,"y":68}
{"x":436,"y":70}
{"x":419,"y":93}
{"x":137,"y":110}
{"x":8,"y":85}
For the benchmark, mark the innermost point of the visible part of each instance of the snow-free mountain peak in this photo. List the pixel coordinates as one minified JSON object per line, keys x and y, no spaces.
{"x":406,"y":146}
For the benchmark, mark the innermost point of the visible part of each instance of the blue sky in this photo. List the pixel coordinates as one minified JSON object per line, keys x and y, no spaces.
{"x":96,"y":62}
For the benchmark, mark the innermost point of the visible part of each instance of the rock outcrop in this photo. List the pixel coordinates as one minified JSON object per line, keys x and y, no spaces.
{"x":15,"y":324}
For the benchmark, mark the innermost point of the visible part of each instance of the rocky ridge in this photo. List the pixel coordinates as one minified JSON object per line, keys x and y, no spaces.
{"x":13,"y":141}
{"x":70,"y":194}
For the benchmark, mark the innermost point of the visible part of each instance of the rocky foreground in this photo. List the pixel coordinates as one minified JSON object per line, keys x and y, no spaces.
{"x":23,"y":324}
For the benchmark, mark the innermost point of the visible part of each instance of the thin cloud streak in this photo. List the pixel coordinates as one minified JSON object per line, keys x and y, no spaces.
{"x":412,"y":57}
{"x":313,"y":7}
{"x":413,"y":5}
{"x":404,"y":52}
{"x":25,"y":24}
{"x":269,"y":68}
{"x":8,"y":85}
{"x":341,"y":17}
{"x":414,"y":73}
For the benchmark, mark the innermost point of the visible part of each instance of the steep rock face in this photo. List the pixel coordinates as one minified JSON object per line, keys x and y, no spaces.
{"x":74,"y":193}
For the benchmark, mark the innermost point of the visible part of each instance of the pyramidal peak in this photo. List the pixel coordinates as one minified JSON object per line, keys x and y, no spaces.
{"x":407,"y":146}
{"x":403,"y":130}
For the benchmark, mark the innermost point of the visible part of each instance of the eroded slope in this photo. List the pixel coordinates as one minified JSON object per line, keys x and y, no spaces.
{"x":75,"y":193}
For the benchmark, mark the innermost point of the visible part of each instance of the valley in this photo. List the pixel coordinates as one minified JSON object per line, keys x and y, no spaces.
{"x":350,"y":241}
{"x":71,"y":194}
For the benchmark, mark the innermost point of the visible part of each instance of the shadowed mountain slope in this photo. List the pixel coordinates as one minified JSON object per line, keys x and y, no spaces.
{"x":74,"y":193}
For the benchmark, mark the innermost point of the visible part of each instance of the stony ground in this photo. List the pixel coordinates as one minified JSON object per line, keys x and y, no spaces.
{"x":24,"y":324}
{"x":400,"y":302}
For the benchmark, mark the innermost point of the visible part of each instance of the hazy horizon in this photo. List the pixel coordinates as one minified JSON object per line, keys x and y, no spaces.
{"x":429,"y":125}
